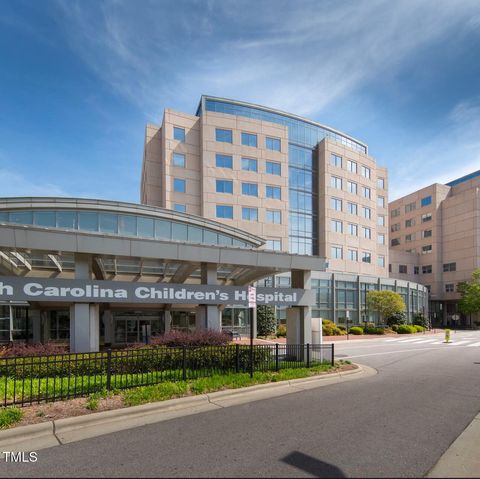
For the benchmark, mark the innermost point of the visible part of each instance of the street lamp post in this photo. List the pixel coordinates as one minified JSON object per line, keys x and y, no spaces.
{"x":347,"y":319}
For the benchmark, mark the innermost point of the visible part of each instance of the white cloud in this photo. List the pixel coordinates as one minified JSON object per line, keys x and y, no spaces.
{"x":298,"y":56}
{"x":14,"y":184}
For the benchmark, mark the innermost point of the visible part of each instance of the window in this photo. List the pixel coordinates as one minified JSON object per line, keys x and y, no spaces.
{"x":336,"y":226}
{"x":274,"y":168}
{"x":427,"y":249}
{"x":381,"y":201}
{"x":416,"y":270}
{"x":352,"y":187}
{"x":426,"y":233}
{"x":426,"y":217}
{"x":336,"y":204}
{"x":179,"y":186}
{"x":366,"y":192}
{"x":351,"y":166}
{"x":380,"y":238}
{"x":427,"y":269}
{"x":381,"y":220}
{"x":272,"y":143}
{"x":224,"y":186}
{"x":249,"y":214}
{"x":367,"y":232}
{"x":402,"y":269}
{"x":180,"y":208}
{"x":366,"y":257}
{"x":395,"y":242}
{"x":274,"y":244}
{"x":447,"y":267}
{"x":249,"y":164}
{"x":429,"y":288}
{"x":224,"y":136}
{"x":336,"y":182}
{"x":367,"y":212}
{"x":410,"y":237}
{"x":274,"y":216}
{"x":381,"y":261}
{"x":366,"y":172}
{"x":395,"y":227}
{"x":179,"y":160}
{"x":179,"y":133}
{"x":352,"y":208}
{"x":449,"y":288}
{"x":249,"y":139}
{"x":389,"y":268}
{"x":381,"y":183}
{"x":410,"y":207}
{"x":352,"y":229}
{"x":336,"y":160}
{"x":250,"y":189}
{"x":409,"y":223}
{"x":395,"y":212}
{"x":223,"y":161}
{"x":225,"y":211}
{"x":274,"y":192}
{"x":336,"y":252}
{"x":426,"y":201}
{"x":353,"y":255}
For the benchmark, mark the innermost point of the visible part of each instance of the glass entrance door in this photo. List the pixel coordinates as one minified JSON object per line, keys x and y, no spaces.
{"x":128,"y":325}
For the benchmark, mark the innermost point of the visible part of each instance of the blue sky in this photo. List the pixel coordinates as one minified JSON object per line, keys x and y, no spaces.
{"x":80,"y":79}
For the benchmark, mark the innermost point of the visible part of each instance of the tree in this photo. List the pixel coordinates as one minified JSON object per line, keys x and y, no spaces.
{"x":470,"y":294}
{"x":388,"y":304}
{"x":266,"y":321}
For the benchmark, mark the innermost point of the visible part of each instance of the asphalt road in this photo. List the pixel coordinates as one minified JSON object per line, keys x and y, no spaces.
{"x":394,"y":424}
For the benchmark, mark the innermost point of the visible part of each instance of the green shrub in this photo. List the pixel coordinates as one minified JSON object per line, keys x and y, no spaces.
{"x":357,"y":330}
{"x":420,"y":329}
{"x":420,"y":320}
{"x":396,"y":318}
{"x":329,"y":328}
{"x":282,"y":331}
{"x":342,"y":327}
{"x":9,"y":416}
{"x":394,"y":327}
{"x":406,"y":329}
{"x":266,"y":320}
{"x":374,"y":331}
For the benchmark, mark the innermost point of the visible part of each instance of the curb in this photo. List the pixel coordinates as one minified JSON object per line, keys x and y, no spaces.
{"x":54,"y":433}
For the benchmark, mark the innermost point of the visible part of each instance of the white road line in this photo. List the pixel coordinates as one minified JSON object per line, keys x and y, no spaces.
{"x":474,"y":345}
{"x":459,"y":343}
{"x":387,"y":352}
{"x":425,"y":341}
{"x":414,"y":340}
{"x":391,"y":340}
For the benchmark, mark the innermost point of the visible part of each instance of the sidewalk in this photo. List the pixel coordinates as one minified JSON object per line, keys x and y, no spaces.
{"x":462,"y":458}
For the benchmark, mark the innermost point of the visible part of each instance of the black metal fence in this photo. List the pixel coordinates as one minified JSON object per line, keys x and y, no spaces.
{"x":28,"y":380}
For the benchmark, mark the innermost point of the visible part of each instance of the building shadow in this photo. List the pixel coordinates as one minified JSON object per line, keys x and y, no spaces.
{"x":312,"y":466}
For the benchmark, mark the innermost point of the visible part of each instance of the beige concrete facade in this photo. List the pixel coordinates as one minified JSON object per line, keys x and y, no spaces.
{"x":363,"y":233}
{"x":444,"y":234}
{"x":363,"y":222}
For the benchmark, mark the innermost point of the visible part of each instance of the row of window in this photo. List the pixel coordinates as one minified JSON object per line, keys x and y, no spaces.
{"x":352,"y":187}
{"x":413,"y":236}
{"x":352,"y":208}
{"x":352,"y":229}
{"x":352,"y":166}
{"x":248,"y":189}
{"x":336,"y":252}
{"x":248,"y":214}
{"x":413,"y":206}
{"x":426,"y":249}
{"x":411,"y":222}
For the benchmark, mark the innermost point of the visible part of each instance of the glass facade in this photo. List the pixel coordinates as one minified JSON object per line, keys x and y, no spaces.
{"x":303,"y":137}
{"x":123,"y":225}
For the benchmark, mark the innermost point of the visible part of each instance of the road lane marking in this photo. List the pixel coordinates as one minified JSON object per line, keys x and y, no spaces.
{"x":411,"y":340}
{"x":387,"y":352}
{"x":425,"y":341}
{"x":474,"y":345}
{"x":458,"y":343}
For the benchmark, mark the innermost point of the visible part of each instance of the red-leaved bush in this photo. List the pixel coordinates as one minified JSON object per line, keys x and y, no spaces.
{"x":207,"y":337}
{"x":18,"y":350}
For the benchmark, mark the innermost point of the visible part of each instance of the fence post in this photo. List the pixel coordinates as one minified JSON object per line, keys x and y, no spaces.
{"x":237,"y":358}
{"x":308,"y":355}
{"x":276,"y":356}
{"x":109,"y":369}
{"x":333,"y":354}
{"x":184,"y":363}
